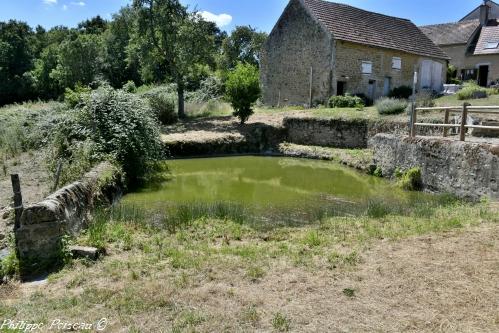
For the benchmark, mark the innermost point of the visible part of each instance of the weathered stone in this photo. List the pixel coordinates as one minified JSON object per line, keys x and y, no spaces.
{"x":327,"y":132}
{"x":466,"y":169}
{"x":90,"y":253}
{"x":486,"y":133}
{"x":67,"y":211}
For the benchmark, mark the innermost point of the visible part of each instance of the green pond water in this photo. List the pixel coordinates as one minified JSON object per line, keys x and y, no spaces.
{"x":269,"y":183}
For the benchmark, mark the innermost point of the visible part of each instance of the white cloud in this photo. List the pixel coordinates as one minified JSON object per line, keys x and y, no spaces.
{"x":50,"y":2}
{"x":79,"y":3}
{"x":220,"y":20}
{"x":64,"y":7}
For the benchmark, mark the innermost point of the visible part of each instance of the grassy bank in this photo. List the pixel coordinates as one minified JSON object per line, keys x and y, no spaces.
{"x":196,"y":266}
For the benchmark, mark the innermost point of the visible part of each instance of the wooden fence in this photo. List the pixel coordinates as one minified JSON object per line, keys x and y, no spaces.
{"x":464,"y":111}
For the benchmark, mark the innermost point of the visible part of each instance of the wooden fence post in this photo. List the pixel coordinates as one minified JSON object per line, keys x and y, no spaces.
{"x":446,"y":121}
{"x":311,"y":89}
{"x":18,"y":200}
{"x":413,"y":119}
{"x":464,"y":119}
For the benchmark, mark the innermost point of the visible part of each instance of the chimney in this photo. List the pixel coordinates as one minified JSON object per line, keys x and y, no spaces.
{"x":484,"y":13}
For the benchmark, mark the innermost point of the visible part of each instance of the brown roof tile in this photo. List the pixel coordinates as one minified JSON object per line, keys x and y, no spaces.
{"x":488,"y":34}
{"x":451,"y":33}
{"x":359,"y":26}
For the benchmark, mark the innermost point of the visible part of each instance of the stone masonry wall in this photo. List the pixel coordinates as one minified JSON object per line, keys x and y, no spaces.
{"x":468,"y":170}
{"x":296,"y":44}
{"x":339,"y":133}
{"x":348,"y":68}
{"x":66,"y":212}
{"x":327,"y":132}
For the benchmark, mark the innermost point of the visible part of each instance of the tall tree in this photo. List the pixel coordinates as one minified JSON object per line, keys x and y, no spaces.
{"x":243,"y":45}
{"x":119,"y":66}
{"x":95,"y":26}
{"x":78,"y":61}
{"x":16,"y":61}
{"x":176,"y":39}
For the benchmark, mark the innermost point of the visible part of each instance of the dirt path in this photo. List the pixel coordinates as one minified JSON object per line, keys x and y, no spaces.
{"x":34,"y":183}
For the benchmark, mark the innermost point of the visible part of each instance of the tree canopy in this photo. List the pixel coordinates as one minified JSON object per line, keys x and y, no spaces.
{"x":149,"y":42}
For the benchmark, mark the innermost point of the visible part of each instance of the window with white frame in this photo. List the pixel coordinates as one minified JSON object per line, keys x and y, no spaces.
{"x":491,"y":45}
{"x":367,"y":67}
{"x":396,"y":63}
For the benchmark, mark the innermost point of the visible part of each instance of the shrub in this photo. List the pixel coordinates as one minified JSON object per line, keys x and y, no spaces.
{"x":114,"y":125}
{"x":411,"y":180}
{"x":402,"y":92}
{"x":391,"y":106}
{"x":73,"y":97}
{"x":211,"y":88}
{"x":163,"y":106}
{"x":347,"y":101}
{"x":471,"y":90}
{"x":130,"y":87}
{"x":243,"y":90}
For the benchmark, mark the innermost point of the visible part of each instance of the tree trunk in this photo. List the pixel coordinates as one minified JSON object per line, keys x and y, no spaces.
{"x":181,"y":103}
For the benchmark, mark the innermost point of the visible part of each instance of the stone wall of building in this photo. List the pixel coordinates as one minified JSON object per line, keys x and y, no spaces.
{"x":296,"y":44}
{"x":461,"y":61}
{"x":468,"y":170}
{"x":348,"y":68}
{"x":66,"y":212}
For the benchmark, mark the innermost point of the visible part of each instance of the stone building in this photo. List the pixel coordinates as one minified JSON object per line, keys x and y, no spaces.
{"x":319,"y":49}
{"x":472,"y":43}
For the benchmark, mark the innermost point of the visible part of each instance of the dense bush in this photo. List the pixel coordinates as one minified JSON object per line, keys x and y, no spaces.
{"x":391,"y":105}
{"x":243,"y":90}
{"x":130,"y":87}
{"x":211,"y":88}
{"x":402,"y":92}
{"x":115,"y":125}
{"x":73,"y":97}
{"x":346,"y":101}
{"x":471,"y":90}
{"x":163,"y":106}
{"x":411,"y":180}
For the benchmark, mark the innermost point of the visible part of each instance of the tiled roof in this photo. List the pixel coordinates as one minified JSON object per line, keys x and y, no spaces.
{"x":451,"y":33}
{"x":488,"y":34}
{"x":359,"y":26}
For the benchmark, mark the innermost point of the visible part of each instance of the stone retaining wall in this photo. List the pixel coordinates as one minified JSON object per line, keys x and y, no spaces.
{"x":468,"y":170}
{"x":340,"y":133}
{"x":66,"y":212}
{"x":255,"y":139}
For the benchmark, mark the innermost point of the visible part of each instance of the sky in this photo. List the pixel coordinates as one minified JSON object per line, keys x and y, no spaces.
{"x":260,"y":14}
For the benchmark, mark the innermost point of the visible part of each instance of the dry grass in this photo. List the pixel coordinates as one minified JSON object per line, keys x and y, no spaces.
{"x":390,"y":274}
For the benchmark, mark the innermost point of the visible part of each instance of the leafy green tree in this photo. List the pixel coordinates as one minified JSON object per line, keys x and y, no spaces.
{"x":243,"y":45}
{"x":173,"y":41}
{"x":16,"y":61}
{"x":78,"y":61}
{"x":243,"y":90}
{"x":119,"y":65}
{"x":46,"y":85}
{"x":95,"y":26}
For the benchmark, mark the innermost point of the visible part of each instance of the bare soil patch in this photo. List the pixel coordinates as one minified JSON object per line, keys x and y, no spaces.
{"x":34,"y":184}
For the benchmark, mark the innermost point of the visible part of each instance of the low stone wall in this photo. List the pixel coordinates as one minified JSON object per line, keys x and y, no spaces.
{"x":468,"y":170}
{"x":255,"y":139}
{"x":344,"y":133}
{"x":66,"y":212}
{"x":327,"y":132}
